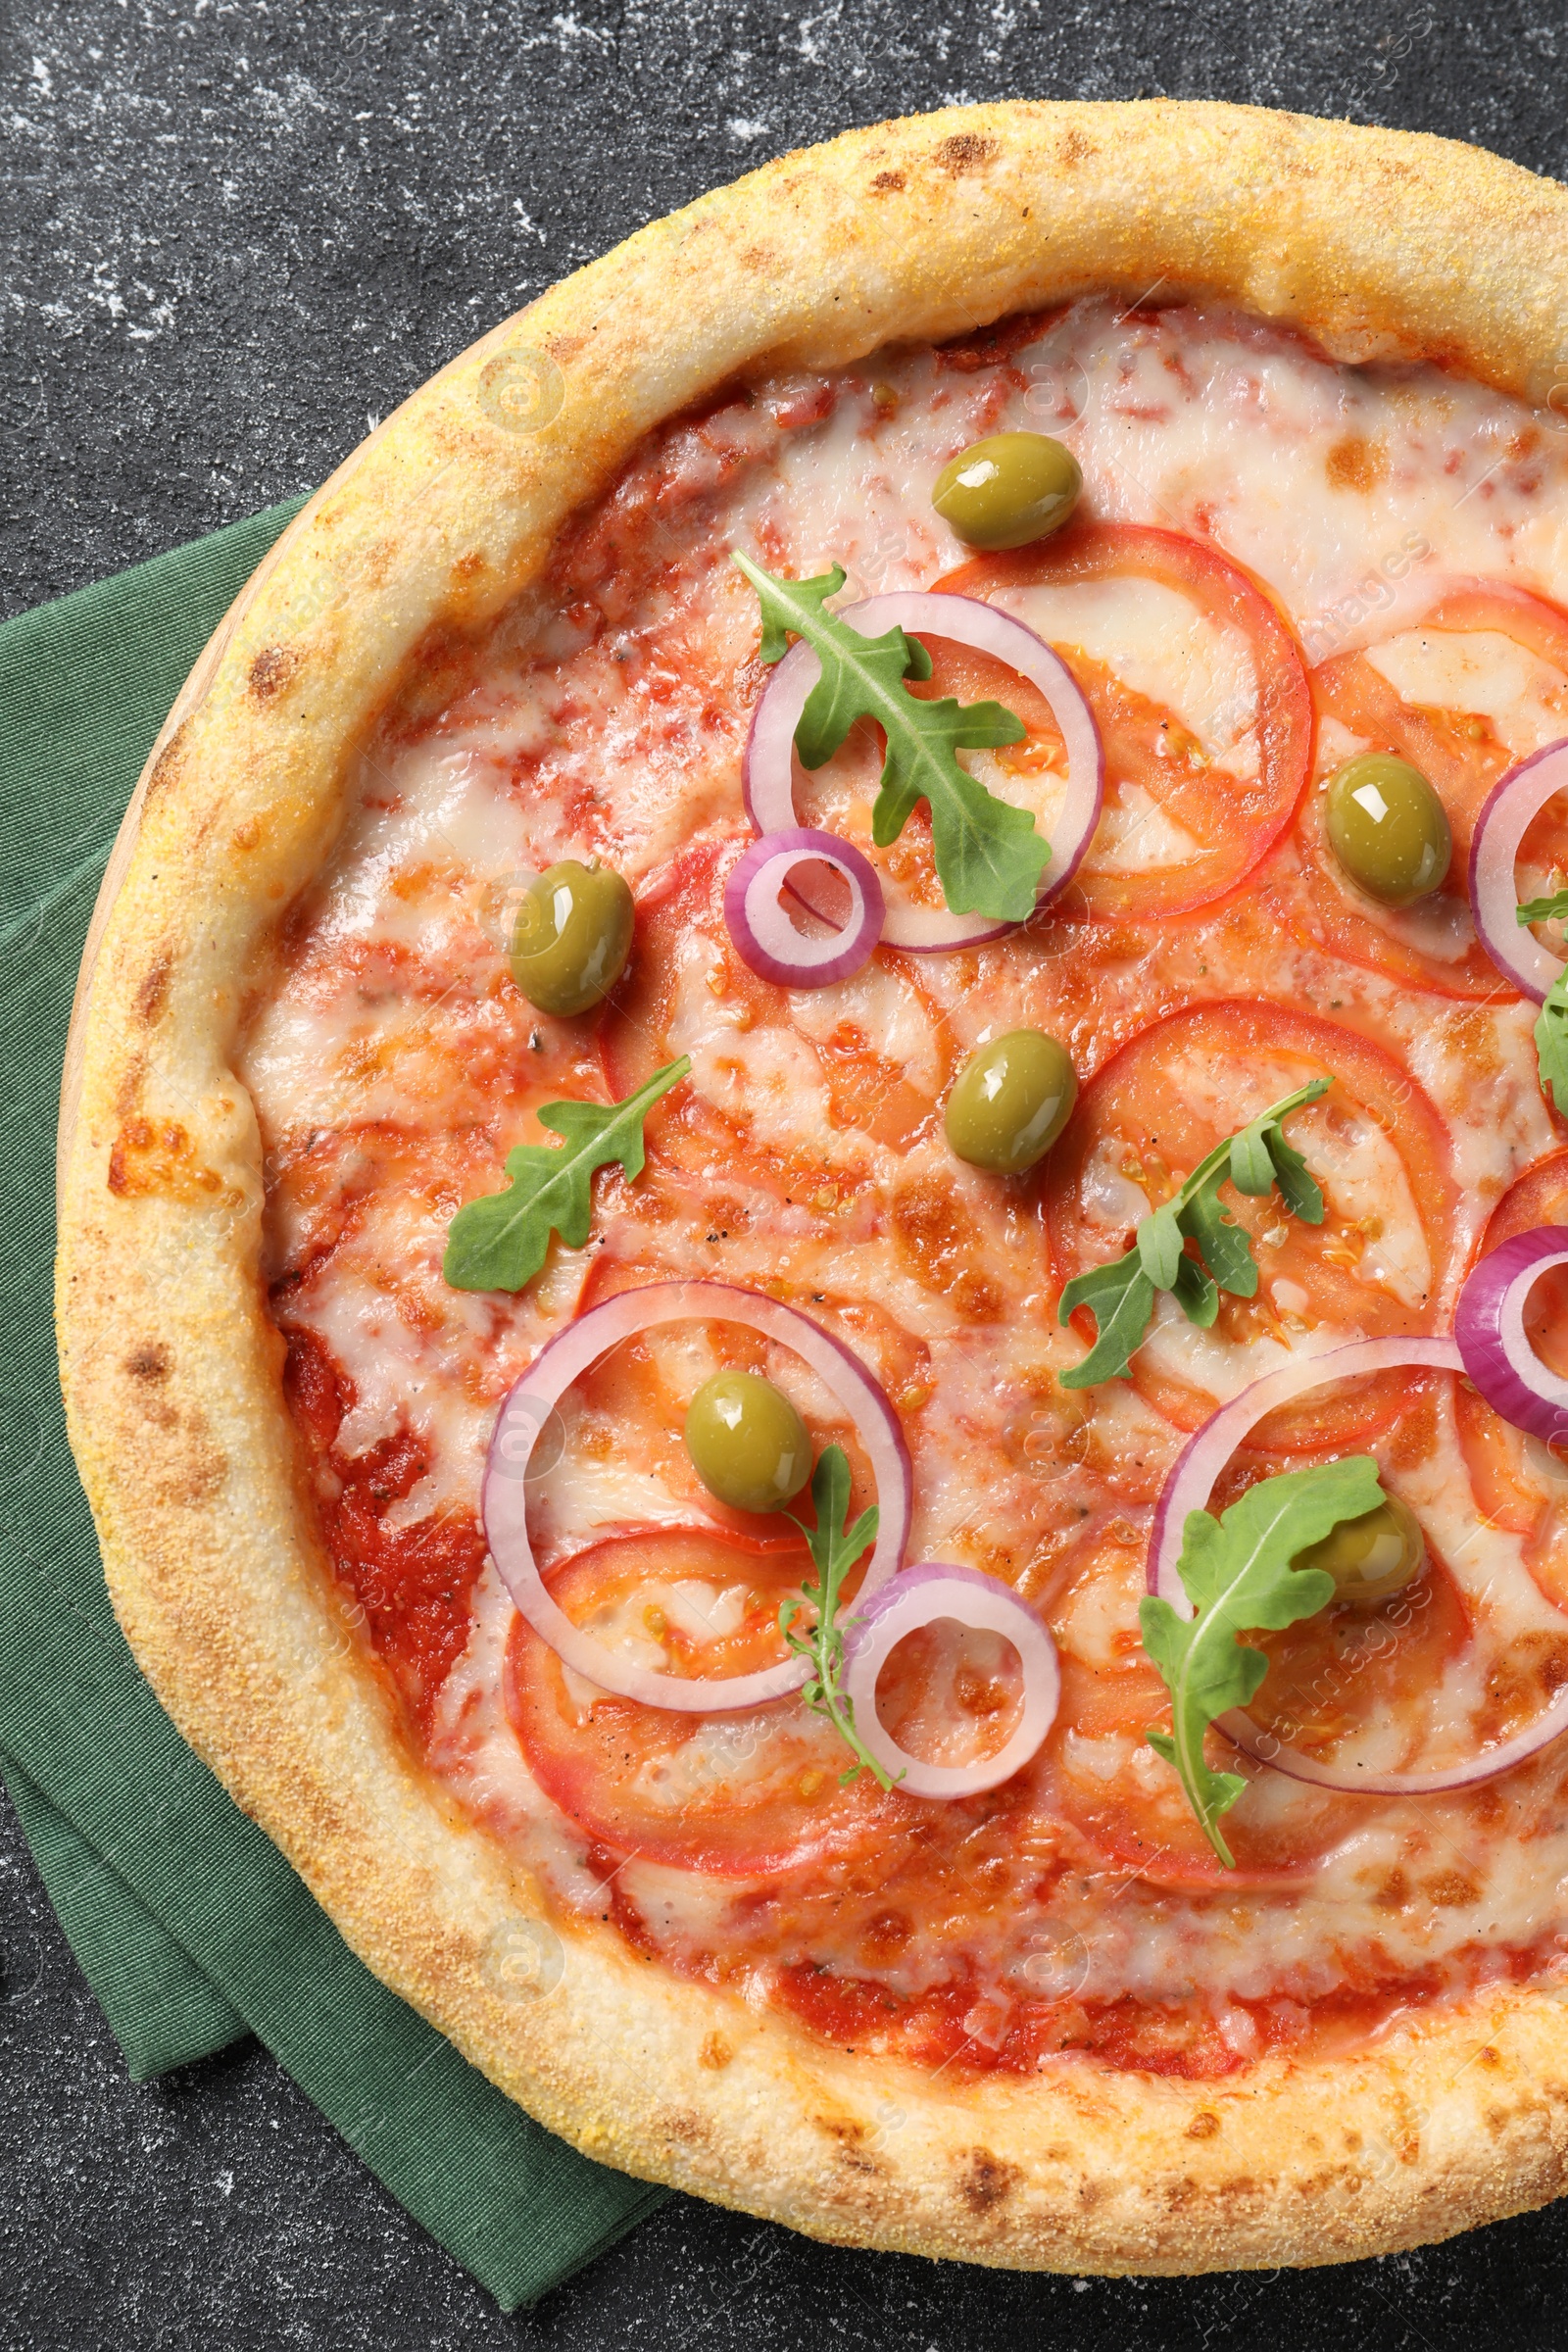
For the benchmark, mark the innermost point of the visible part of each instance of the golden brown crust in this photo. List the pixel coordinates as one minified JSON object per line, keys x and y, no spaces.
{"x":1376,"y":242}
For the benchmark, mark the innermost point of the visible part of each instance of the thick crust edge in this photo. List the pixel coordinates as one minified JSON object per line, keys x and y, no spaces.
{"x":1381,"y":244}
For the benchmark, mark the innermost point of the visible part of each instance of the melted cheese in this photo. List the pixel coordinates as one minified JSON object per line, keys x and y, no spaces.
{"x":393,"y":1064}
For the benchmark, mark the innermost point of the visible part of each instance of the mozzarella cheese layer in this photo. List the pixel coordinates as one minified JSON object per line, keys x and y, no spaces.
{"x":394,"y":1064}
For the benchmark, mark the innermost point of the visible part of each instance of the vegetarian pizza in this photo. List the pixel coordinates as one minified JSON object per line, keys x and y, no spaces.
{"x":814,"y":1205}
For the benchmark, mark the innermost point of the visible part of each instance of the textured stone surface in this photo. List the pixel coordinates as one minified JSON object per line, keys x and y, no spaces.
{"x":232,"y":235}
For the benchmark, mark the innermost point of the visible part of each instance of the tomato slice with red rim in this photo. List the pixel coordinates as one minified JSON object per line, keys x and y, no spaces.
{"x":733,"y":1793}
{"x":737,"y":1795}
{"x":1379,"y":1263}
{"x":1432,"y":945}
{"x":1154,"y":761}
{"x":1521,"y":1484}
{"x":1099,"y":1773}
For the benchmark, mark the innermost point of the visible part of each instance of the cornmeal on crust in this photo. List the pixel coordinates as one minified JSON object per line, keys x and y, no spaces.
{"x":1379,"y":245}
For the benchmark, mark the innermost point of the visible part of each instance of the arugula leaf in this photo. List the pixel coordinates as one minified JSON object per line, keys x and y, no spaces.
{"x":1543,"y":910}
{"x":1237,"y":1573}
{"x":988,"y":856}
{"x":1551,"y":1041}
{"x":498,"y":1243}
{"x":1121,"y":1296}
{"x":835,"y":1548}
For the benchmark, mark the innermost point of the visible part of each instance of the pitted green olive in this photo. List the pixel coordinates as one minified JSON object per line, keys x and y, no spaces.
{"x":1372,"y":1558}
{"x":572,"y":935}
{"x":748,"y":1444}
{"x":1007,"y":490}
{"x":1010,"y":1102}
{"x":1388,"y":828}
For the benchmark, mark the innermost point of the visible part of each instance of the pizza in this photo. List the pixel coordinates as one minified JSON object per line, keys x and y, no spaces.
{"x":811,"y":1264}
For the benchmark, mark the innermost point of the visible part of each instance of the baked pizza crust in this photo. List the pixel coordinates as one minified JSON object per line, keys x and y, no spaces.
{"x":1378,"y":243}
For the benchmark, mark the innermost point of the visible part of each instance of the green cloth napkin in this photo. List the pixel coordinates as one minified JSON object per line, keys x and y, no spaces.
{"x":189,"y":1924}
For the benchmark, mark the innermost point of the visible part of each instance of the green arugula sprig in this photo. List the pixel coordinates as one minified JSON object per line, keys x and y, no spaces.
{"x":1237,"y":1573}
{"x":835,"y":1548}
{"x":1551,"y":1026}
{"x":1544,"y":911}
{"x":988,"y":856}
{"x":498,"y":1243}
{"x":1551,"y":1041}
{"x":1120,"y":1295}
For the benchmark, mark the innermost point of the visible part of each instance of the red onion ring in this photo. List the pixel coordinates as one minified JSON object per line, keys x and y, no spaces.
{"x":763,"y":935}
{"x":1191,"y":1483}
{"x":1489,"y":1324}
{"x":1501,"y":827}
{"x":1194,"y":1473}
{"x":767,"y":774}
{"x":913,"y":1599}
{"x":532,"y":1399}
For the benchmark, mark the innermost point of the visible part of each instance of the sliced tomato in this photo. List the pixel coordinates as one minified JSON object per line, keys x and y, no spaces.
{"x":1346,"y":1672}
{"x":1151,"y":753}
{"x":1379,"y":1264}
{"x":1335,"y":1675}
{"x":1539,"y":1197}
{"x":760,"y":1055}
{"x":414,"y":1583}
{"x":1520,"y":1484}
{"x":738,"y":1795}
{"x":1099,"y":1773}
{"x":950,"y":1694}
{"x":1432,"y":945}
{"x":631,"y":1405}
{"x":900,"y":1362}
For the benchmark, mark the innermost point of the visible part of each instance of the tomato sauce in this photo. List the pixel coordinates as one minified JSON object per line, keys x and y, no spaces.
{"x":411,"y":1587}
{"x":1208,"y":959}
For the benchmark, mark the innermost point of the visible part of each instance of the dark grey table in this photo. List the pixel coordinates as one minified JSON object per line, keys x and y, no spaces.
{"x":234,"y":236}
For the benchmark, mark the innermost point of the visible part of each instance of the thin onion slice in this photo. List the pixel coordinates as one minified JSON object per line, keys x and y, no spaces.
{"x":532,"y":1400}
{"x":768,"y":772}
{"x":763,"y":935}
{"x":1488,"y":1325}
{"x":1191,"y":1480}
{"x":916,"y":1598}
{"x":1501,"y":827}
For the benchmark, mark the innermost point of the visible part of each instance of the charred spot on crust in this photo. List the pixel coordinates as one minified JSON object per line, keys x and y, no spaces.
{"x":273,"y":669}
{"x":889,"y":183}
{"x":965,"y":151}
{"x":149,"y":1362}
{"x":690,"y":2130}
{"x":167,"y":762}
{"x":154,"y":988}
{"x":1075,"y":148}
{"x":157,"y":1156}
{"x":986,"y":2181}
{"x":1204,"y":2126}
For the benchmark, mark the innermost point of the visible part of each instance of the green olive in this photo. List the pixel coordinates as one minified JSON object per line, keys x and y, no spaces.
{"x":748,"y":1444}
{"x":572,"y":935}
{"x":1007,"y":490}
{"x":1010,"y":1102}
{"x":1371,"y":1558}
{"x":1388,"y":829}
